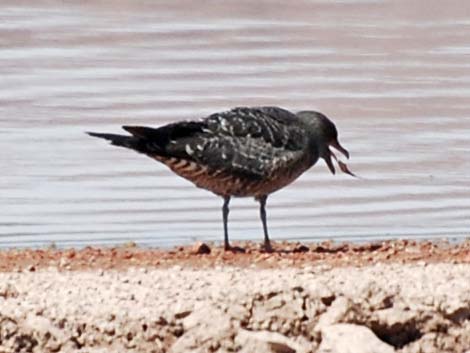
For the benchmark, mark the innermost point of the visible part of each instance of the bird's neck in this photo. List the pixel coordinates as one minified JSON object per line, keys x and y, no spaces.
{"x":312,"y":151}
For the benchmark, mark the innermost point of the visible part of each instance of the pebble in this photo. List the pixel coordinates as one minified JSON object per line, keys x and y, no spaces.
{"x":201,"y":249}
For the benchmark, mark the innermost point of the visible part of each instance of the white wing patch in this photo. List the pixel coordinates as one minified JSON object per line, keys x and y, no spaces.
{"x":188,"y":150}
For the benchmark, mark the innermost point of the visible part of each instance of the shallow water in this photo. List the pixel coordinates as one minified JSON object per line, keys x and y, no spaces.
{"x":393,"y":75}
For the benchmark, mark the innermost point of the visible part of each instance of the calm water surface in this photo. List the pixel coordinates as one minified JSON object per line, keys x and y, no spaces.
{"x":393,"y":75}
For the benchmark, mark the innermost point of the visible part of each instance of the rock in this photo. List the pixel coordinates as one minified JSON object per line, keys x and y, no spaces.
{"x":8,"y":290}
{"x":394,"y":316}
{"x":63,"y":262}
{"x":349,"y":338}
{"x":266,"y":342}
{"x":237,"y":311}
{"x":49,"y":337}
{"x":8,"y":328}
{"x":321,"y":291}
{"x":201,"y":249}
{"x":301,"y":248}
{"x":277,"y":311}
{"x":203,"y":331}
{"x":336,"y":312}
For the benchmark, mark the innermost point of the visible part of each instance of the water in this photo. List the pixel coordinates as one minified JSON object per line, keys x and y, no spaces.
{"x":393,"y":75}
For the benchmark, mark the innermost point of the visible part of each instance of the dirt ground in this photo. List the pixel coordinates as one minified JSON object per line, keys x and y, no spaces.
{"x":201,"y":255}
{"x":395,"y":296}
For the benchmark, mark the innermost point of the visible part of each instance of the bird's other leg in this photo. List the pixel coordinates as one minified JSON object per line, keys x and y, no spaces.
{"x":262,"y":213}
{"x":225,"y":211}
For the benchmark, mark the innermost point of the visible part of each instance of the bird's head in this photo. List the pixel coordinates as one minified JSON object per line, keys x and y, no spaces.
{"x":325,"y":135}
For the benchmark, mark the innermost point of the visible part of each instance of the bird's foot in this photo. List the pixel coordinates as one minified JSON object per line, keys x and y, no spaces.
{"x":234,"y":249}
{"x":266,"y":247}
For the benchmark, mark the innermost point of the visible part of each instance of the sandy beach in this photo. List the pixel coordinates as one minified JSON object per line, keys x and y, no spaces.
{"x":397,"y":296}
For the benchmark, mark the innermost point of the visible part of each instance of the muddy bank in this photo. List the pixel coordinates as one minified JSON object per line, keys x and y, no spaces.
{"x":410,"y":307}
{"x":286,"y":254}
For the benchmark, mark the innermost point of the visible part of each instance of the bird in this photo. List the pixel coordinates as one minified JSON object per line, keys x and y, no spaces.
{"x":241,"y":152}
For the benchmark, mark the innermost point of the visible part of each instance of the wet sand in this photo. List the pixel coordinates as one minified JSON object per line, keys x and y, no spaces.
{"x":396,"y":296}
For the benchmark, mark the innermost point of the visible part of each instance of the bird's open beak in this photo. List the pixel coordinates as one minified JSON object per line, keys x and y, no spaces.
{"x":343,"y":166}
{"x":329,"y":162}
{"x":340,"y":148}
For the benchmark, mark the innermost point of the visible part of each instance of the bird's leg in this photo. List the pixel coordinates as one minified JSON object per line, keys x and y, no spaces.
{"x":225,"y":211}
{"x":262,"y":212}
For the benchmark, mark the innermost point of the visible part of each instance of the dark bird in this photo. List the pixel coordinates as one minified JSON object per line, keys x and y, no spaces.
{"x":241,"y":152}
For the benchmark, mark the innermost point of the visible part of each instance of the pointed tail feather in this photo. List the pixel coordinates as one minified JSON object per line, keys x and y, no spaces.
{"x":135,"y":143}
{"x":131,"y":142}
{"x":116,"y":140}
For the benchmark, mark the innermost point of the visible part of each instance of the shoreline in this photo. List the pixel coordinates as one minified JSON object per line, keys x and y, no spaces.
{"x":207,"y":255}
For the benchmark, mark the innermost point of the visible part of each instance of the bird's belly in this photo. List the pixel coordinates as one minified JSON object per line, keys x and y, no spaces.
{"x":226,"y":184}
{"x":277,"y":181}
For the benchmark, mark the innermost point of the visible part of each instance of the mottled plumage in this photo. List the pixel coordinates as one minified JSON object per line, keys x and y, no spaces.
{"x":240,"y":152}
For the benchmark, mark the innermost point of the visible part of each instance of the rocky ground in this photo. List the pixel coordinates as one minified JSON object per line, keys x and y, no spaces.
{"x":338,"y":298}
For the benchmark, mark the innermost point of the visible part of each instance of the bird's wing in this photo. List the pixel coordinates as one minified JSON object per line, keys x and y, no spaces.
{"x":251,"y":142}
{"x":277,"y":127}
